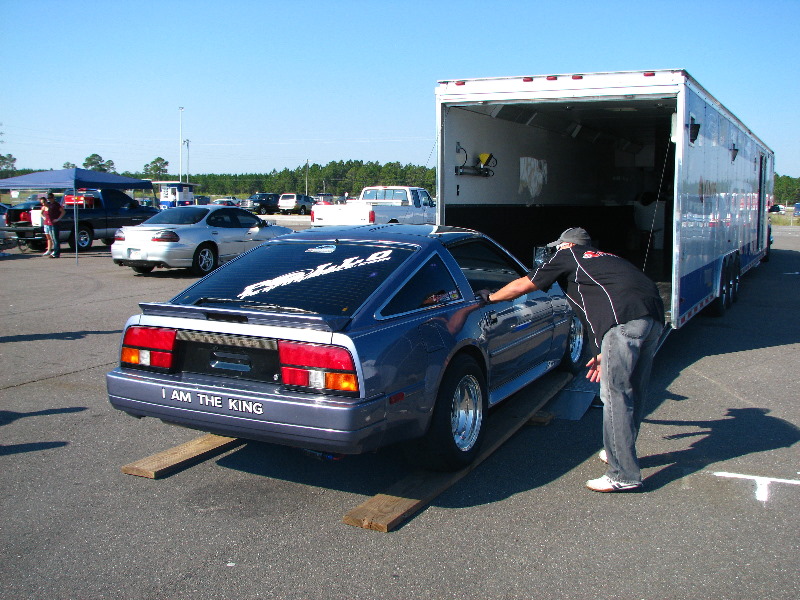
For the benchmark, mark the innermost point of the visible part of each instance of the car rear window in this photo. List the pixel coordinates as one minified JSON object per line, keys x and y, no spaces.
{"x":187,"y":215}
{"x":328,"y":279}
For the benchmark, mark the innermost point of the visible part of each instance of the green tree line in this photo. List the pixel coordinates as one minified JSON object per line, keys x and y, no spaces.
{"x":336,"y":177}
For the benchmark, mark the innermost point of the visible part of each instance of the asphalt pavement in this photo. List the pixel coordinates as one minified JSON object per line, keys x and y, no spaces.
{"x":718,"y":517}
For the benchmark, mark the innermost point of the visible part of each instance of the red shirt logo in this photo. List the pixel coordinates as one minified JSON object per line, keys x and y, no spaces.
{"x":594,"y":254}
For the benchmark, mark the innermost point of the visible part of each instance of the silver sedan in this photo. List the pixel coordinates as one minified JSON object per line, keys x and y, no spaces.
{"x":195,"y":237}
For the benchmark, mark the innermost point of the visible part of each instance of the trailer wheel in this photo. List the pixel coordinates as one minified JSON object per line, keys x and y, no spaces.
{"x":736,"y":270}
{"x":721,"y":303}
{"x":457,"y":425}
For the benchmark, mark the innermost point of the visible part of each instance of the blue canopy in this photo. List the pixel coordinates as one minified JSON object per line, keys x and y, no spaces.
{"x":73,"y":179}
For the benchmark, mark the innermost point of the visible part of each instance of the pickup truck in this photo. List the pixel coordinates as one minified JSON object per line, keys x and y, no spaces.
{"x":379,"y":204}
{"x":100,"y":214}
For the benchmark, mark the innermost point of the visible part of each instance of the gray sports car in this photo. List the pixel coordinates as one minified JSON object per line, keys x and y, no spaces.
{"x":347,"y":339}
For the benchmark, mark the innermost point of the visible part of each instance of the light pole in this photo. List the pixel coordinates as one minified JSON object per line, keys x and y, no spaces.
{"x":180,"y":145}
{"x":187,"y":160}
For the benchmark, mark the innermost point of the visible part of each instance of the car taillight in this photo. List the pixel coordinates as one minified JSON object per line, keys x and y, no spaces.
{"x":312,"y":215}
{"x":372,"y":216}
{"x":317,"y":367}
{"x":166,"y":236}
{"x":119,"y":236}
{"x":152,"y":347}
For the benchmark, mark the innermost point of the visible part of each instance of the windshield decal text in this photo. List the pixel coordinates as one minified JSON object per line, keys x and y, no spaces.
{"x":263,"y":287}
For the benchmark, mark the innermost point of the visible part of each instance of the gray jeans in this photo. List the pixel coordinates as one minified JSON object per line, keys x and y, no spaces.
{"x":627,"y":358}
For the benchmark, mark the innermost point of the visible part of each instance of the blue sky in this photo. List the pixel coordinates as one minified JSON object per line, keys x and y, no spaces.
{"x":267,"y":85}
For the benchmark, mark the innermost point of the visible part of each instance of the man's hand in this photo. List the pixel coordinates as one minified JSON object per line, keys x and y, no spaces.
{"x":593,"y":374}
{"x":483,"y":296}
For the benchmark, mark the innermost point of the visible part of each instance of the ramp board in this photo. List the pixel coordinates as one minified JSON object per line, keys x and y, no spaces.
{"x":176,"y":458}
{"x":385,"y":511}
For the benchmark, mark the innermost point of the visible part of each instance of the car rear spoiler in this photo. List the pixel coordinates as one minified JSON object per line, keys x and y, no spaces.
{"x":246,"y":315}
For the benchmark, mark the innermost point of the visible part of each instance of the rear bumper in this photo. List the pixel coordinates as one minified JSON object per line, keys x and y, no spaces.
{"x":251,"y":413}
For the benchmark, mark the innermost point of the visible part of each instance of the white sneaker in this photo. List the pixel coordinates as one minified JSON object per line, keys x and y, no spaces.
{"x":606,"y":484}
{"x":603,"y":456}
{"x":48,"y":253}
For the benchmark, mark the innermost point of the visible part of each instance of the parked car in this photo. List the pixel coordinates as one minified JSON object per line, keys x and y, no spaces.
{"x":345,"y":340}
{"x":196,"y":237}
{"x":202,"y":200}
{"x":796,"y":211}
{"x":232,"y":199}
{"x":223,"y":202}
{"x":262,"y":203}
{"x":778,"y":208}
{"x":295,"y":203}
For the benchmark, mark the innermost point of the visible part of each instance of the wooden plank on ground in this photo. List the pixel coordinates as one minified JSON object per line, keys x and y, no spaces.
{"x":182,"y":456}
{"x":385,"y":511}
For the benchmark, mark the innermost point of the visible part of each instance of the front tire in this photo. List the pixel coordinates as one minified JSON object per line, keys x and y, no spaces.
{"x":262,"y":210}
{"x":457,"y":426}
{"x":575,"y":352}
{"x":205,"y":260}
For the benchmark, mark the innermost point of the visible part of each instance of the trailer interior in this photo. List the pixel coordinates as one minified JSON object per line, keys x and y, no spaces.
{"x":605,"y":165}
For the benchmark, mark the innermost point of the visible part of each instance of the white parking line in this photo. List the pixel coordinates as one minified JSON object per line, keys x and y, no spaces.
{"x":762,"y":483}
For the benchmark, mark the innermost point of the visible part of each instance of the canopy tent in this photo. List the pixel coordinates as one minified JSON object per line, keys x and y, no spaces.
{"x":73,"y":179}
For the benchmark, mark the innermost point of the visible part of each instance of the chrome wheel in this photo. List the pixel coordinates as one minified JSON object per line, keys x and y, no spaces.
{"x":466,"y":413}
{"x":575,"y":341}
{"x":205,"y":260}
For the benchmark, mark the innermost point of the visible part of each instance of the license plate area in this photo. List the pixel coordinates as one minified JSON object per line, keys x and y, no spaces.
{"x":241,"y":357}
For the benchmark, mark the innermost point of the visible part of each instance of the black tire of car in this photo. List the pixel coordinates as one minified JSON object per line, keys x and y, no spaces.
{"x":205,"y":259}
{"x":457,"y":427}
{"x":85,"y":238}
{"x":108,"y":241}
{"x":143,"y":270}
{"x":576,"y":354}
{"x":262,"y":210}
{"x":302,"y":210}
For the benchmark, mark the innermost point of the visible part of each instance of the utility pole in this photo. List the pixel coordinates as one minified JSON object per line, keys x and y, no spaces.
{"x":180,"y":145}
{"x":187,"y":160}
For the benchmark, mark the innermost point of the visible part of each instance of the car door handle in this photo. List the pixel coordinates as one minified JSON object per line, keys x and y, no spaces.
{"x":491,"y":317}
{"x":215,"y":233}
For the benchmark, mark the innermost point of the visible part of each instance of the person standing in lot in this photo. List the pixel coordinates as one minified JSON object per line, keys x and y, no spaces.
{"x":47,"y":225}
{"x":55,"y":213}
{"x":625,"y":315}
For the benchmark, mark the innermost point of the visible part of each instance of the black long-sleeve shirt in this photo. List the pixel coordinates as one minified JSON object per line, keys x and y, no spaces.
{"x":605,"y":289}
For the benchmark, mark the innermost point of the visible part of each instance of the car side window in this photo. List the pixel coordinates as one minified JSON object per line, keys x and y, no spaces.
{"x":484,"y":265}
{"x":247,"y":220}
{"x":223,"y":218}
{"x":431,"y":285}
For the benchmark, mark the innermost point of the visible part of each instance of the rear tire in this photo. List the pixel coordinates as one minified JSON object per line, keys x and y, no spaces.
{"x":457,"y":426}
{"x":84,"y":238}
{"x":205,"y":260}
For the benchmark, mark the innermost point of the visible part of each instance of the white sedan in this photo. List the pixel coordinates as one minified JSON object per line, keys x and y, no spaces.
{"x":195,"y":237}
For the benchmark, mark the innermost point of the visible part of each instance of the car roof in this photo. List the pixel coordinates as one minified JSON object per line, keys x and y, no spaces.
{"x":391,"y":232}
